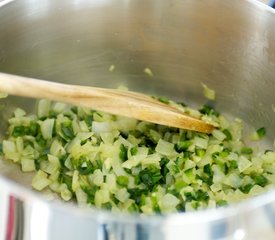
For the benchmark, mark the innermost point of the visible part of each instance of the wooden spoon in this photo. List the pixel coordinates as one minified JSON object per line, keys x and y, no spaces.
{"x":114,"y":101}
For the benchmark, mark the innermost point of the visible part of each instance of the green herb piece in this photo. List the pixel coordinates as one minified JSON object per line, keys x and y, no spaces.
{"x":164,"y":170}
{"x":33,"y":129}
{"x":150,"y":177}
{"x":208,"y":179}
{"x":62,"y":160}
{"x":149,"y":143}
{"x":246,"y":188}
{"x":137,"y":195}
{"x":40,"y":140}
{"x":202,"y":195}
{"x":155,"y":204}
{"x":122,"y":181}
{"x":200,"y":152}
{"x":187,"y":154}
{"x":64,"y":178}
{"x":181,"y":207}
{"x":228,"y":134}
{"x":88,"y":119}
{"x":52,"y":114}
{"x":221,"y":203}
{"x":182,"y":104}
{"x":232,"y":165}
{"x":182,"y":146}
{"x":133,"y":208}
{"x":74,"y":109}
{"x":180,"y":162}
{"x":133,"y":151}
{"x":208,"y":170}
{"x":86,"y":168}
{"x":90,"y":191}
{"x":261,"y":132}
{"x":19,"y":131}
{"x":225,"y":169}
{"x":123,"y":153}
{"x":37,"y":161}
{"x":215,"y":155}
{"x":179,"y":185}
{"x":164,"y":100}
{"x":137,"y":180}
{"x":208,"y":110}
{"x":195,"y":204}
{"x":260,"y":180}
{"x":107,"y":206}
{"x":67,"y":131}
{"x":224,"y":153}
{"x":188,"y":197}
{"x":246,"y":150}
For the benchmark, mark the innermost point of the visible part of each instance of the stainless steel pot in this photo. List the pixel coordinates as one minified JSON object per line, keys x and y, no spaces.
{"x":229,"y":45}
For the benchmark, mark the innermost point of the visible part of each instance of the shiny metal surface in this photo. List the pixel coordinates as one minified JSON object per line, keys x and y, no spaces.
{"x":228,"y":45}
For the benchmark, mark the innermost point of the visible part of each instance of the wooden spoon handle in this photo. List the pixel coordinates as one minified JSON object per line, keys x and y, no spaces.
{"x":119,"y":102}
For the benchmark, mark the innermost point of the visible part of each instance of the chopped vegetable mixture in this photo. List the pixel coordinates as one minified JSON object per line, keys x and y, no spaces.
{"x":122,"y":164}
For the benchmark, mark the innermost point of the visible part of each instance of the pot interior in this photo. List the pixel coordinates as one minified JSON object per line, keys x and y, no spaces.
{"x":229,"y":46}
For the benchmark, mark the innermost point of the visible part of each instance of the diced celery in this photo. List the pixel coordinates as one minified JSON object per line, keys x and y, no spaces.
{"x":122,"y":195}
{"x":27,"y":165}
{"x":100,"y":127}
{"x":151,"y":160}
{"x":97,"y":177}
{"x":219,"y":135}
{"x":201,"y":142}
{"x":47,"y":128}
{"x":44,"y":107}
{"x":19,"y":113}
{"x":208,"y":93}
{"x":165,"y":148}
{"x":243,"y":163}
{"x":233,"y":180}
{"x":40,"y":180}
{"x":8,"y":147}
{"x":168,"y":203}
{"x":65,"y":194}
